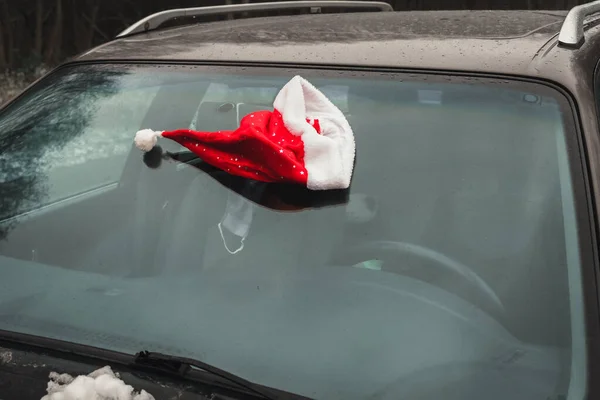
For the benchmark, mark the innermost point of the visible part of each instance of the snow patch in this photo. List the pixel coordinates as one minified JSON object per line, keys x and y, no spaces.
{"x":5,"y":356}
{"x":102,"y":384}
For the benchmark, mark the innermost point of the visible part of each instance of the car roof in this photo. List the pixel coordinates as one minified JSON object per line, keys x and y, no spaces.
{"x":519,"y":43}
{"x":499,"y":41}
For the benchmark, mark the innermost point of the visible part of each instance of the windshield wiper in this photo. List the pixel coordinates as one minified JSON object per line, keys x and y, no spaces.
{"x":161,"y":364}
{"x":182,"y":366}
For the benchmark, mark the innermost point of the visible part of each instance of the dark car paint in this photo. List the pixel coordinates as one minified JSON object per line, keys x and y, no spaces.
{"x":469,"y":41}
{"x":515,"y":44}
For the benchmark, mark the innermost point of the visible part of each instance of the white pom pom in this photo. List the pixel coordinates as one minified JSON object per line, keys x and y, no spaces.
{"x":146,"y":139}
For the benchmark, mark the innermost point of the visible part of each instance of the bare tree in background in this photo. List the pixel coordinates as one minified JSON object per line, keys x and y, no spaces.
{"x":54,"y":47}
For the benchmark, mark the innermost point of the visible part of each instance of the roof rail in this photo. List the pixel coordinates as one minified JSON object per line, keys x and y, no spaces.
{"x":153,"y":21}
{"x":571,"y":33}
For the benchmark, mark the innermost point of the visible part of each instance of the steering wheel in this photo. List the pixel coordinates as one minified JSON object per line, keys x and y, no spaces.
{"x":427,"y":265}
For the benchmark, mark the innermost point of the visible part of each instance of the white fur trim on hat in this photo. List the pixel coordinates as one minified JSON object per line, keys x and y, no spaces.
{"x":146,"y":139}
{"x":329,"y":156}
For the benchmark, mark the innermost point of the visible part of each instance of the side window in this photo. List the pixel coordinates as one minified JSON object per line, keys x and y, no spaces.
{"x":70,"y":136}
{"x":97,"y":155}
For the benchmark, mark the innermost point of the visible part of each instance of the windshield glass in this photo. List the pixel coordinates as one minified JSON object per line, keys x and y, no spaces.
{"x":450,"y":268}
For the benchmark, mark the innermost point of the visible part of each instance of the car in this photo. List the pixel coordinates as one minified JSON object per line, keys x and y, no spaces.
{"x":461,"y":262}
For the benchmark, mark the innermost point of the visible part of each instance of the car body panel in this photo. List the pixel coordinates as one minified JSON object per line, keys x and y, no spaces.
{"x":505,"y":42}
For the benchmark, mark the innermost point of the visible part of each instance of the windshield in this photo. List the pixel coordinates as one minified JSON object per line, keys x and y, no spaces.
{"x":449,"y":269}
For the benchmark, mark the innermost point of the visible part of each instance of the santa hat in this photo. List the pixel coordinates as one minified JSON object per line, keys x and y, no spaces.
{"x":305,"y":140}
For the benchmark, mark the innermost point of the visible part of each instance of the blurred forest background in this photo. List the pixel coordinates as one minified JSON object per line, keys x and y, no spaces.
{"x":38,"y":34}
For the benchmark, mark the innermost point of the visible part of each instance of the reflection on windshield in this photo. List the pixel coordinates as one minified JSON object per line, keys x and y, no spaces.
{"x":449,"y":268}
{"x":30,"y":144}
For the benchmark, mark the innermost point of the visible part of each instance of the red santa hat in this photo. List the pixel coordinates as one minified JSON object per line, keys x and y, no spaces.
{"x":305,"y":140}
